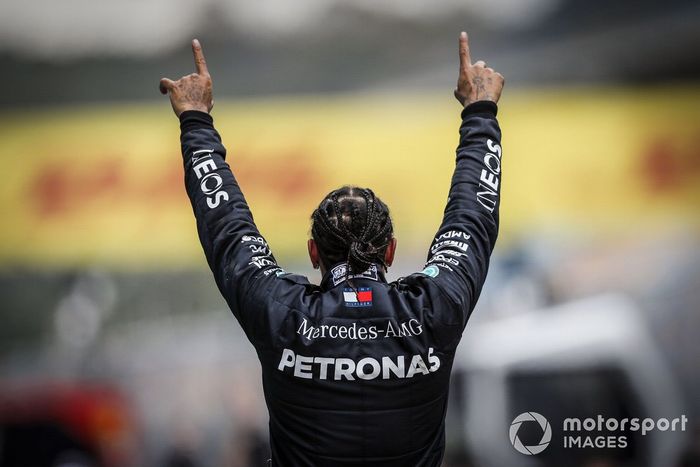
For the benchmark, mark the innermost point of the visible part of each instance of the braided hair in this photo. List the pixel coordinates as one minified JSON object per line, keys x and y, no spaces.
{"x":352,"y":224}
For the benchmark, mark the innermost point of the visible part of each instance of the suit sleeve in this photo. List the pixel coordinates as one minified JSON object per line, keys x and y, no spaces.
{"x":238,"y":255}
{"x":458,"y":259}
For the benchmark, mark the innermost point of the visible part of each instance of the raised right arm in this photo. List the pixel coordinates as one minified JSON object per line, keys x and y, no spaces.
{"x":459,"y":255}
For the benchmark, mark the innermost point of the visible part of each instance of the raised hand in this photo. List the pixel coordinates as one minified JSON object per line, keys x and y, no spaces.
{"x":191,"y":92}
{"x":476,"y":82}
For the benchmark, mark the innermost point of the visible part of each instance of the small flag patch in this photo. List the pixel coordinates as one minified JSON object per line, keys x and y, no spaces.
{"x":363,"y":296}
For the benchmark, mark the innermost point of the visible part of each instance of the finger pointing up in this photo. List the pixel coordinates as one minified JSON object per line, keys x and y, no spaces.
{"x":465,"y":59}
{"x":199,"y":62}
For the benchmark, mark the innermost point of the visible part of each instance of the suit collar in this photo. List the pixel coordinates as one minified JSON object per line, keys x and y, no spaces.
{"x":337,"y":275}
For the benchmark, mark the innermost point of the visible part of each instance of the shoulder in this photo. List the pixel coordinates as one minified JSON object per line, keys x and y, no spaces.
{"x":428,"y":287}
{"x":421,"y":280}
{"x":293,"y":278}
{"x":289,"y":287}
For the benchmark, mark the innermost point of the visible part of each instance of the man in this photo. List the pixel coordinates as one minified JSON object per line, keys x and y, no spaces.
{"x":355,"y":371}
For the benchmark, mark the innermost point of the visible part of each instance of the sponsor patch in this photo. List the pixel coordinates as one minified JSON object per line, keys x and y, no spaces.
{"x":339,"y":273}
{"x":431,"y":271}
{"x":363,"y":296}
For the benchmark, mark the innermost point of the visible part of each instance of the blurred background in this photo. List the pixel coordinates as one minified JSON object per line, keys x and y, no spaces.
{"x":115,"y":346}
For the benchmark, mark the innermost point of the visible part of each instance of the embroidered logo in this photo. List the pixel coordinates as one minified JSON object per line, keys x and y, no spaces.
{"x":363,"y":296}
{"x":339,"y":273}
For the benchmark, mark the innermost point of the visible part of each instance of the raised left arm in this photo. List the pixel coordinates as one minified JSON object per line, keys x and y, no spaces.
{"x":237,"y":254}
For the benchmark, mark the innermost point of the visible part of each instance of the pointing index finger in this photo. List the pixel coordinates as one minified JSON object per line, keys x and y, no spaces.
{"x":199,"y":62}
{"x":465,"y":59}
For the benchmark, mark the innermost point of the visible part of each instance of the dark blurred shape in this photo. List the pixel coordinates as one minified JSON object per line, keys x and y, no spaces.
{"x":43,"y":443}
{"x":180,"y":457}
{"x":249,"y":447}
{"x":184,"y":451}
{"x":77,"y":424}
{"x":691,"y":455}
{"x":579,"y":394}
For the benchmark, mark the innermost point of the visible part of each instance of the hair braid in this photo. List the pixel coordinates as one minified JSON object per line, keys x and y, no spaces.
{"x":363,"y":253}
{"x":352,"y":224}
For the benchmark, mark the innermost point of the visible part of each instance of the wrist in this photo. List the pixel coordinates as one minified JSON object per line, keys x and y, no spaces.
{"x":195,"y":107}
{"x":470,"y":101}
{"x":480,"y":107}
{"x":194,"y":120}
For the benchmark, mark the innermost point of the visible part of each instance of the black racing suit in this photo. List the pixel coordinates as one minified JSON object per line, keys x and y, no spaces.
{"x":352,"y":375}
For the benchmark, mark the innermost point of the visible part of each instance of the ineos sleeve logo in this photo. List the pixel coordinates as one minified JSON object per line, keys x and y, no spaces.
{"x":210,"y":182}
{"x":489,"y":179}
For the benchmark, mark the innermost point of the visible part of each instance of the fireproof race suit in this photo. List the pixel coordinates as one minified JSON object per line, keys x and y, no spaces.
{"x":354,"y":373}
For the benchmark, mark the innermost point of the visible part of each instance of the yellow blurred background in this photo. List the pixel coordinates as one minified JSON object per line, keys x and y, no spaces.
{"x":103,"y":184}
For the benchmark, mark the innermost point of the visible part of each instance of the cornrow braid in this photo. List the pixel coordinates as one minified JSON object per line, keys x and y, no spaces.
{"x":352,"y":224}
